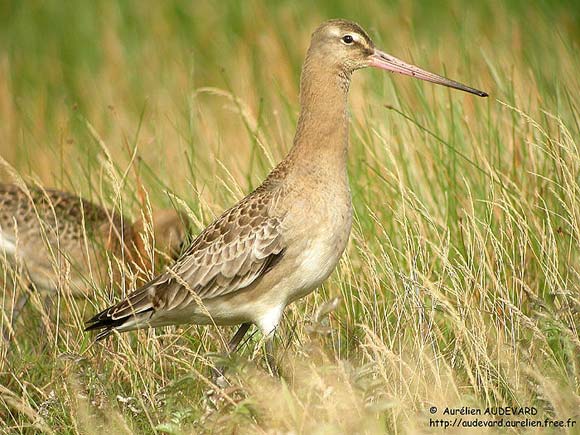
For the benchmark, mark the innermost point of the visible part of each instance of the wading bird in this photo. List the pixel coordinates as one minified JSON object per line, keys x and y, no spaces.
{"x":285,"y":238}
{"x":60,"y":239}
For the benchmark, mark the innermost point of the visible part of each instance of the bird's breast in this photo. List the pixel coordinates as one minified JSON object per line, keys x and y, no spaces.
{"x":320,"y":240}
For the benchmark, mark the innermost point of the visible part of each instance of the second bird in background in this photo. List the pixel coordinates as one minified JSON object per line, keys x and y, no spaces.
{"x":60,"y":240}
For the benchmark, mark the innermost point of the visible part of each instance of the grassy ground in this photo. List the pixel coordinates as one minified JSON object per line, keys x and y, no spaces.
{"x":461,"y":282}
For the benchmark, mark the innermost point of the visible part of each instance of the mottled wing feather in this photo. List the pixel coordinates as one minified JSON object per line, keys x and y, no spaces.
{"x":62,"y":215}
{"x":229,"y":255}
{"x":232,"y":252}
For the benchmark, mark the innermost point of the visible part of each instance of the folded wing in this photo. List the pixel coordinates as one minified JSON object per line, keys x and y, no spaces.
{"x":229,"y":255}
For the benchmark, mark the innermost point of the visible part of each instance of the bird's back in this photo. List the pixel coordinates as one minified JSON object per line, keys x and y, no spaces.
{"x":53,"y":232}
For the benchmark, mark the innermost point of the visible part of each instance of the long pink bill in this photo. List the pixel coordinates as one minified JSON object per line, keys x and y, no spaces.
{"x":387,"y":62}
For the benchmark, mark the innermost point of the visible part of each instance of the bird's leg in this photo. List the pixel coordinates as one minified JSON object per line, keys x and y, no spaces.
{"x":232,"y":346}
{"x":235,"y":341}
{"x":20,"y":304}
{"x":269,"y":354}
{"x":45,"y":327}
{"x":17,"y":309}
{"x":47,"y":304}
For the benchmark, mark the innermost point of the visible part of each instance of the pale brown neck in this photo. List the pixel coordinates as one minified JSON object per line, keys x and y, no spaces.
{"x":321,"y":139}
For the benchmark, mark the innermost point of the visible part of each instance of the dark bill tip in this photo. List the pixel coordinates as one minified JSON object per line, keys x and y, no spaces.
{"x":390,"y":63}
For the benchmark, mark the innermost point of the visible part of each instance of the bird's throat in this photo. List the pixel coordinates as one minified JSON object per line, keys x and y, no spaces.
{"x":321,"y":138}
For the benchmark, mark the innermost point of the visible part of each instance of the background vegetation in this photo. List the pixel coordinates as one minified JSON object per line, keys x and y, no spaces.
{"x":460,"y":286}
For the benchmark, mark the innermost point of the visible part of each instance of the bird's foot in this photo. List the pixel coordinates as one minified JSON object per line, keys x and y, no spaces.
{"x":271,"y":364}
{"x":219,"y":377}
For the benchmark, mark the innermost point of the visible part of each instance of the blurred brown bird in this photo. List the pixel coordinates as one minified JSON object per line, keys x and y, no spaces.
{"x":60,"y":239}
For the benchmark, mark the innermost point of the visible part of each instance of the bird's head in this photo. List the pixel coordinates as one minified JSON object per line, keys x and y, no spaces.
{"x":344,"y":46}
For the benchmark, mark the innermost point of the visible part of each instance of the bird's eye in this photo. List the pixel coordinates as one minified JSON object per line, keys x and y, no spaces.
{"x":347,"y":39}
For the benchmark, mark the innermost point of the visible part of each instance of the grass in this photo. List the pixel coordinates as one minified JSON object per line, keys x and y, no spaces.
{"x":460,"y":285}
